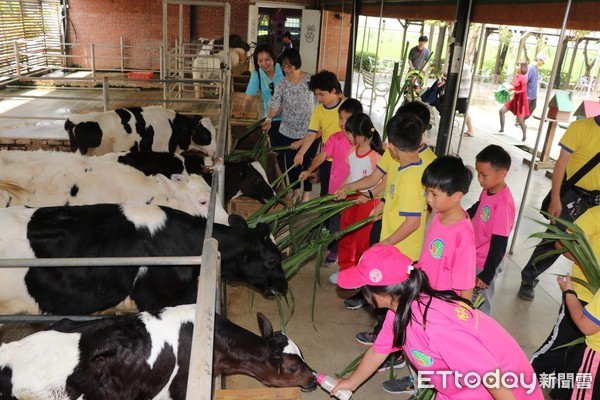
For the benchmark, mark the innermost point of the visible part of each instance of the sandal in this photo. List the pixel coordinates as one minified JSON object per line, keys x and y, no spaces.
{"x":468,"y":134}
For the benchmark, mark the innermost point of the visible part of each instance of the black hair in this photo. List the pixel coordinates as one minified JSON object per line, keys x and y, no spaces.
{"x":263,"y":48}
{"x":352,"y":106}
{"x":449,"y":174}
{"x":405,"y":131}
{"x":292,"y":56}
{"x":423,"y":38}
{"x":419,"y":109}
{"x":496,"y":156}
{"x":415,"y":288}
{"x":325,"y":81}
{"x":288,"y":35}
{"x":361,"y":125}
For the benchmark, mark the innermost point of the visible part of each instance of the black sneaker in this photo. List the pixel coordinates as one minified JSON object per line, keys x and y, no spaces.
{"x":366,"y":338}
{"x":392,"y":362}
{"x":527,"y":292}
{"x":397,"y":386}
{"x":354,"y":302}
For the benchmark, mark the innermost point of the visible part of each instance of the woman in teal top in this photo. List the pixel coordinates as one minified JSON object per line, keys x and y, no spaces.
{"x":265,"y":77}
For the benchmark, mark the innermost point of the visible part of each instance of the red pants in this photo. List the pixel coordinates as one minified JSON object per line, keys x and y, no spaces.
{"x":354,"y":244}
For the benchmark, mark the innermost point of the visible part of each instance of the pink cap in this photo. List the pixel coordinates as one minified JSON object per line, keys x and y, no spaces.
{"x":381,"y":265}
{"x":320,"y":378}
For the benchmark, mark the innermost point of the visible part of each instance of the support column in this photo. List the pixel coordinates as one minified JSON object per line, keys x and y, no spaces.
{"x":456,"y":58}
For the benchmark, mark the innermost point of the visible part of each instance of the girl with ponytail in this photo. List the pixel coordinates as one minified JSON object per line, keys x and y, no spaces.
{"x":459,"y":351}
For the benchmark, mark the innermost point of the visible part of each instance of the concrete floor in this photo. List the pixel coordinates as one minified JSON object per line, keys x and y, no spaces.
{"x":328,"y":342}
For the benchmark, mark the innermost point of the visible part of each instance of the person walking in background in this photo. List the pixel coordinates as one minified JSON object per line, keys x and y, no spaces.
{"x":297,"y":102}
{"x":533,"y":76}
{"x":287,"y":41}
{"x":462,"y":103}
{"x":265,"y":78}
{"x":579,"y":145}
{"x":418,"y":58}
{"x":519,"y":104}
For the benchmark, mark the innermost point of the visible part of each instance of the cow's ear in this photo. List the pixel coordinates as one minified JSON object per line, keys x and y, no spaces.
{"x":266,"y":329}
{"x":237,"y":221}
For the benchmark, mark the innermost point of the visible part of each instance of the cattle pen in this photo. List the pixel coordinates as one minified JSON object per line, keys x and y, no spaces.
{"x":175,"y":70}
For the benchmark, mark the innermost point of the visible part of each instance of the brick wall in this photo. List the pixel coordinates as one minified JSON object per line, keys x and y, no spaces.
{"x":34,"y":144}
{"x":334,"y":48}
{"x":139,"y":22}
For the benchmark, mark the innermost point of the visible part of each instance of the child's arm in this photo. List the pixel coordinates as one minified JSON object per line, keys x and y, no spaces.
{"x":466,"y":294}
{"x":472,"y":210}
{"x":318,"y":160}
{"x":363,"y":183}
{"x":409,"y":225}
{"x":495,"y":255}
{"x":586,"y":325}
{"x":306,"y":142}
{"x":367,"y":367}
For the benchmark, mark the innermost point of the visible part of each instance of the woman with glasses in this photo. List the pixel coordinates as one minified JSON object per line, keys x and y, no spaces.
{"x":297,"y":101}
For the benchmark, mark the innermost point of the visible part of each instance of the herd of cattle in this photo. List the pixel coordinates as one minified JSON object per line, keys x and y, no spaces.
{"x":135,"y":186}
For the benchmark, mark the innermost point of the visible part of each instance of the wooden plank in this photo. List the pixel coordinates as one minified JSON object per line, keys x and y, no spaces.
{"x":259,"y":394}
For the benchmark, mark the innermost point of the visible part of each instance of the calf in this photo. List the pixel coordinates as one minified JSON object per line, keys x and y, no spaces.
{"x":139,"y":129}
{"x":56,"y":178}
{"x":144,"y":356}
{"x":246,"y":178}
{"x":211,"y":59}
{"x":110,"y":230}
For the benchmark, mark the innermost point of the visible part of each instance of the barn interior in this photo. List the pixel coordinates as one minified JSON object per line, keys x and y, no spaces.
{"x":115,"y":53}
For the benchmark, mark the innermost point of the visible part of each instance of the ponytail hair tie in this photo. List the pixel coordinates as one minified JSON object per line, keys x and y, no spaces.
{"x":372,"y":129}
{"x":410,"y":268}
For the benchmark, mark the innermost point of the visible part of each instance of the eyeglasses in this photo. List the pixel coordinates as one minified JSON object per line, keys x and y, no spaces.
{"x":286,"y":64}
{"x":272,"y":87}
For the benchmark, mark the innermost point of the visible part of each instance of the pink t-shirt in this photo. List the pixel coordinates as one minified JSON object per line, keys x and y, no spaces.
{"x":495,"y":216}
{"x":448,"y":255}
{"x":337,"y":148}
{"x":457,"y":338}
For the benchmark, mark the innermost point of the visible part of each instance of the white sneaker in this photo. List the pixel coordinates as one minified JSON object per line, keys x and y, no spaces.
{"x":333,"y":278}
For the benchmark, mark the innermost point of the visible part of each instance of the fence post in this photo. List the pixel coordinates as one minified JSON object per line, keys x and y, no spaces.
{"x":17,"y":62}
{"x":93,"y":59}
{"x":105,"y":93}
{"x":122,"y":52}
{"x":201,"y":359}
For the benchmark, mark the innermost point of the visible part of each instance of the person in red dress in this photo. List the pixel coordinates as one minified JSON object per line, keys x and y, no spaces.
{"x":519,"y":104}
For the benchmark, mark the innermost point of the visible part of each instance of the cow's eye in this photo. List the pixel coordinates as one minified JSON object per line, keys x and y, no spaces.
{"x":293,"y":368}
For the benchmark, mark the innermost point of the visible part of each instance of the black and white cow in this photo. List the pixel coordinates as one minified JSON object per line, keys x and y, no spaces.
{"x":139,"y":129}
{"x":246,"y":178}
{"x":110,"y":230}
{"x":139,"y":357}
{"x":56,"y":178}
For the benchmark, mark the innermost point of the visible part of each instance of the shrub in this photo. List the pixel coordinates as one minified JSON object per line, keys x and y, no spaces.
{"x":366,"y":63}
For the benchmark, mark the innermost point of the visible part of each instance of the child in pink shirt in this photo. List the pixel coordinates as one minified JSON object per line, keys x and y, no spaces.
{"x":493,"y":218}
{"x":362,"y":160}
{"x":453,"y":347}
{"x":448,"y":255}
{"x":336,"y":147}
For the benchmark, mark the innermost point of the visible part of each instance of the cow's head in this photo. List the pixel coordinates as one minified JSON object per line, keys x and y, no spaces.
{"x":195,"y":132}
{"x":286,"y":360}
{"x":250,"y":255}
{"x":247,"y":179}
